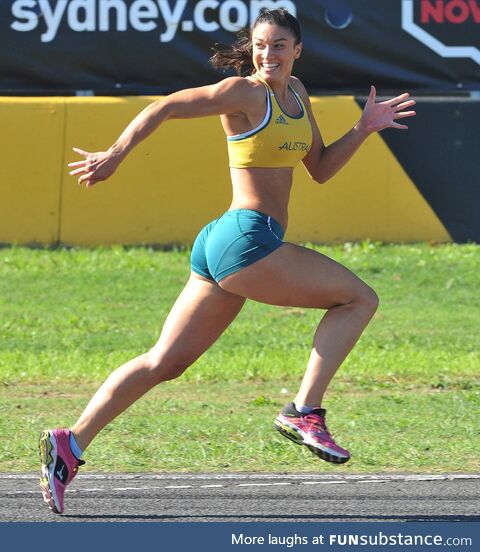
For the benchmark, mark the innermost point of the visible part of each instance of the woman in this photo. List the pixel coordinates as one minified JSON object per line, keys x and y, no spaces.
{"x":267,"y":117}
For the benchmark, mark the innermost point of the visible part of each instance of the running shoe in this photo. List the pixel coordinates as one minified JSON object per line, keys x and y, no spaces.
{"x":310,"y":430}
{"x":59,"y":466}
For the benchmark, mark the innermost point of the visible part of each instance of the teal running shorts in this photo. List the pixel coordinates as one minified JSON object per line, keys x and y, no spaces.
{"x":237,"y":239}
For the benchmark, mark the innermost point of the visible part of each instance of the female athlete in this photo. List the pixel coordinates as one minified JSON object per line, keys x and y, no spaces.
{"x":270,"y":129}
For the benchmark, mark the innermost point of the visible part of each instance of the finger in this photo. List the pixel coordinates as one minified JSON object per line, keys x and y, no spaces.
{"x":405,"y":114}
{"x":78,"y":171}
{"x":399,"y":126}
{"x":76,"y":164}
{"x":397,"y":99}
{"x":373,"y":94}
{"x":80,"y":151}
{"x":85,"y":177}
{"x":404,"y":105}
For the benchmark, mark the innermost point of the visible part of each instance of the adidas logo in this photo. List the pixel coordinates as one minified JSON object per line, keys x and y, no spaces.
{"x":281,"y":120}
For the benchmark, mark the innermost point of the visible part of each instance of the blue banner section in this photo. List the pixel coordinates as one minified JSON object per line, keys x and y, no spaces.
{"x":221,"y":537}
{"x":158,"y":46}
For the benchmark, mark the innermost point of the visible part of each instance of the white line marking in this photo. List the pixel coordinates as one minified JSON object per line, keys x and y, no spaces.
{"x":374,"y":481}
{"x":322,"y":482}
{"x":100,"y":489}
{"x":326,"y":479}
{"x":253,"y":476}
{"x":261,"y":484}
{"x":133,"y":488}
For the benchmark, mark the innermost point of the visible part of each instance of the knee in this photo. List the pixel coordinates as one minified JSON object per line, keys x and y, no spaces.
{"x":165,"y":365}
{"x":368,"y":299}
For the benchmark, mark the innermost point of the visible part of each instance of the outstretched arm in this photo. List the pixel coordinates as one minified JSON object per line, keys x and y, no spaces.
{"x":323,"y":162}
{"x":228,"y":96}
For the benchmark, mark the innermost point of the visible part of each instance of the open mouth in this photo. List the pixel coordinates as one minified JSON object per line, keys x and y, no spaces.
{"x":270,"y":66}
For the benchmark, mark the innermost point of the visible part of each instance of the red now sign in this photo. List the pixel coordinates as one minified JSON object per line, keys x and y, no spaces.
{"x":434,"y":12}
{"x":452,"y":11}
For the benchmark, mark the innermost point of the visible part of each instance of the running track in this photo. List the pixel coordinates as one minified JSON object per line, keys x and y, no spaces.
{"x":248,"y":498}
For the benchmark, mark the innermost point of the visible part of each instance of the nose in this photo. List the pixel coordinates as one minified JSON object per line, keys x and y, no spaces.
{"x":267,"y":53}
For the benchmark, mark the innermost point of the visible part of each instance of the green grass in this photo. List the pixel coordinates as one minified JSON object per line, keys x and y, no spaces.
{"x":406,"y":399}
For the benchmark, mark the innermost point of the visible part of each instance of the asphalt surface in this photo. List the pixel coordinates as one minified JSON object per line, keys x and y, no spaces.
{"x":248,"y":498}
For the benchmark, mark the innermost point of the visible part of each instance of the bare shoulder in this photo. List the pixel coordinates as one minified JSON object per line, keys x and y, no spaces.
{"x":235,"y":94}
{"x":239,"y":86}
{"x":297,"y":85}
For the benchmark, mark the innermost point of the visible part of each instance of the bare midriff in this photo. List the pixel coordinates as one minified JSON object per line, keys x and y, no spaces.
{"x":263,"y":189}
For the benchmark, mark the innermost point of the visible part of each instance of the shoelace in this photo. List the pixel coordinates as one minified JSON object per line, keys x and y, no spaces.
{"x":318,"y":421}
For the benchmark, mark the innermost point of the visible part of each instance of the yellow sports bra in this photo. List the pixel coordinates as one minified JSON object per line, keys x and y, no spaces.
{"x":280,"y":140}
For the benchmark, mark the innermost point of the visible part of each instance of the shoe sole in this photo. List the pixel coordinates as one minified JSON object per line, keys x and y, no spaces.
{"x":48,"y":457}
{"x":297,"y":438}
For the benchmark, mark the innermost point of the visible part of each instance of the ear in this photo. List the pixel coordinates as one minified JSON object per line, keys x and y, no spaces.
{"x":298,"y":50}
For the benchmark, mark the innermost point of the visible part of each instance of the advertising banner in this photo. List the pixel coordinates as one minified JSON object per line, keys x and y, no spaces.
{"x":241,"y":536}
{"x":158,"y":46}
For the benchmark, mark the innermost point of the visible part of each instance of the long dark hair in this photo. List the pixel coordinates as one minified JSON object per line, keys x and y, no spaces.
{"x":239,"y":55}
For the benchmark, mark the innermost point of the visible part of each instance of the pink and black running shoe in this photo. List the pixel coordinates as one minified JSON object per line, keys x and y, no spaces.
{"x":59,"y":466}
{"x":310,"y":430}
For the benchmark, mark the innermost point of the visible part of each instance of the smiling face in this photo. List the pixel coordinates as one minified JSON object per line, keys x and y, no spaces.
{"x":274,"y":51}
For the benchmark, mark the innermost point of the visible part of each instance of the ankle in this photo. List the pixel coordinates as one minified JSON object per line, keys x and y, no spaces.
{"x":77,"y":444}
{"x":305,"y":409}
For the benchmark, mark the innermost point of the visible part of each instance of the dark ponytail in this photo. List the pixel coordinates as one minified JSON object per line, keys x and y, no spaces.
{"x":239,"y":55}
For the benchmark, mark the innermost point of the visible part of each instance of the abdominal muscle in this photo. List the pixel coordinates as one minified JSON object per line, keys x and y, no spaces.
{"x":263,"y":189}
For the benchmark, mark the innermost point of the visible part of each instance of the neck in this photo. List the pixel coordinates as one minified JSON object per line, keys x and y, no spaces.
{"x":279,"y":87}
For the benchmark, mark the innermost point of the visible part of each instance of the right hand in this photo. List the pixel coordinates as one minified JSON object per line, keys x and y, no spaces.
{"x":96,"y":166}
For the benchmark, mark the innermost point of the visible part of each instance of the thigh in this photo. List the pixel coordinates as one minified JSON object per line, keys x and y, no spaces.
{"x":198,"y":318}
{"x":296,"y":276}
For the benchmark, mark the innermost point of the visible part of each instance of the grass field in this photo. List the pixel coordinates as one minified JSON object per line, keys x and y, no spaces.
{"x":406,"y":399}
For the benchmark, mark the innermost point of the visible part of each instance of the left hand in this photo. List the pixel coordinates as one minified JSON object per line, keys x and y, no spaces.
{"x":378,"y":116}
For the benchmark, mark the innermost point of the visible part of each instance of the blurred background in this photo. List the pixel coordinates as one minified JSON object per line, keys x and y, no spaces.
{"x":74,"y":73}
